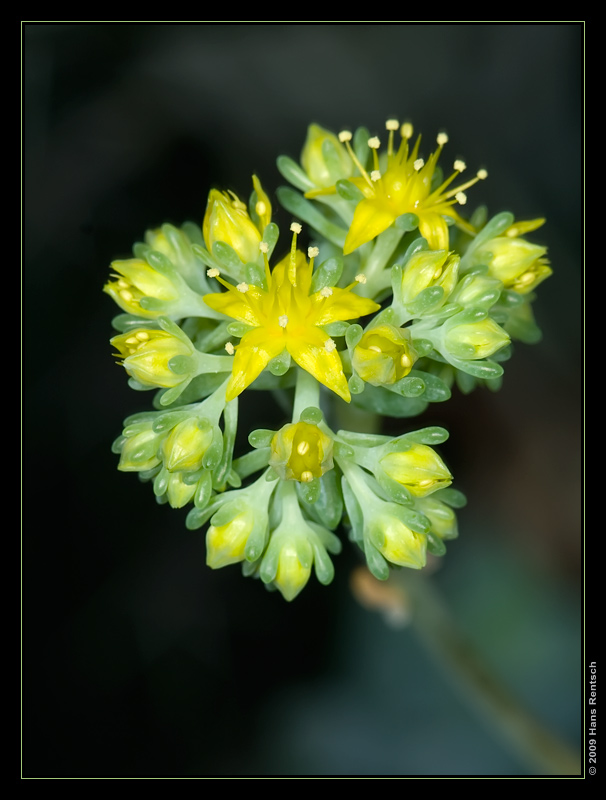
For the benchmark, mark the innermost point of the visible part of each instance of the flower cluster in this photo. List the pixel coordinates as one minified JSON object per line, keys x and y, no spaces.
{"x":398,"y":299}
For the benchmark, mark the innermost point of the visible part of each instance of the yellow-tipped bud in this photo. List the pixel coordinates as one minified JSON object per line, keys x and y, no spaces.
{"x":178,"y":492}
{"x":225,"y":543}
{"x":419,"y":469}
{"x":293,"y":570}
{"x":474,"y":340}
{"x":139,"y":452}
{"x":398,"y":544}
{"x":136,"y":279}
{"x":185,"y":446}
{"x":146,"y":353}
{"x":429,"y":268}
{"x":227,"y":220}
{"x":301,"y":452}
{"x":442,"y":517}
{"x":384,"y":355}
{"x":519,"y":264}
{"x":314,"y":162}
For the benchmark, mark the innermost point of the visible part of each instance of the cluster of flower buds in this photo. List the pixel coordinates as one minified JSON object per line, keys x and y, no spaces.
{"x":397,"y":299}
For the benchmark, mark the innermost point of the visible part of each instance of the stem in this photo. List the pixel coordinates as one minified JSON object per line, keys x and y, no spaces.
{"x":522,"y":732}
{"x":307,"y":393}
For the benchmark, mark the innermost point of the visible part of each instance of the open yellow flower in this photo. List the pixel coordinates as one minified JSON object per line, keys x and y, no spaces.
{"x":285,"y":315}
{"x":404,"y":186}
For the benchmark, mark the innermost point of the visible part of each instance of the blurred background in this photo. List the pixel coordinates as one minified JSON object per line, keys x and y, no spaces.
{"x":138,"y":660}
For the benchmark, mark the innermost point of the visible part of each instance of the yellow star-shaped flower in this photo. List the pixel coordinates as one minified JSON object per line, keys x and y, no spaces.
{"x":285,"y":315}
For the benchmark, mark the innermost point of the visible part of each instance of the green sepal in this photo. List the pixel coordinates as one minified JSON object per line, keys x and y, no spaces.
{"x":293,"y":173}
{"x":349,"y":191}
{"x":452,"y":497}
{"x":375,"y":561}
{"x":435,"y":545}
{"x":261,"y":438}
{"x":407,"y":222}
{"x":327,"y":509}
{"x":238,"y":329}
{"x":381,"y":401}
{"x":227,"y":257}
{"x":360,"y":145}
{"x":312,"y":415}
{"x":304,"y":210}
{"x":280,"y":364}
{"x":310,"y":492}
{"x":336,"y":328}
{"x":425,"y":301}
{"x":203,"y":490}
{"x":327,"y":274}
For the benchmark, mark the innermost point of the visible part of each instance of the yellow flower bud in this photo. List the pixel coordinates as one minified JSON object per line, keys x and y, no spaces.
{"x":139,"y":452}
{"x":429,"y":268}
{"x":473,"y":340}
{"x":420,"y":469}
{"x":146,"y":353}
{"x":314,"y":163}
{"x":225,"y":543}
{"x":519,"y":264}
{"x":442,"y":517}
{"x":137,"y":279}
{"x":185,"y":446}
{"x":301,"y":452}
{"x":178,"y":492}
{"x":384,"y":355}
{"x":294,"y":569}
{"x":397,"y":543}
{"x":227,"y":220}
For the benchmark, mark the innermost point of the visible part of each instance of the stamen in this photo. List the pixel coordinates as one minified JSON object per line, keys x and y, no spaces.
{"x":307,"y":476}
{"x":213,"y":272}
{"x":442,"y":138}
{"x":426,"y":482}
{"x":330,"y":345}
{"x":527,"y":277}
{"x":482,"y":174}
{"x":132,"y":340}
{"x":376,"y":348}
{"x":229,"y":348}
{"x":312,"y":252}
{"x":126,"y":295}
{"x":260,"y":208}
{"x":283,"y":321}
{"x":374,"y":142}
{"x":419,"y":164}
{"x":406,"y":130}
{"x":242,"y":287}
{"x":461,"y":198}
{"x":392,"y":125}
{"x":326,"y":291}
{"x":405,"y":360}
{"x":264,"y":247}
{"x":296,"y":228}
{"x":361,"y":277}
{"x":142,"y":336}
{"x":123,"y":284}
{"x":345,"y":136}
{"x":302,"y":448}
{"x":459,"y":165}
{"x":375,"y":175}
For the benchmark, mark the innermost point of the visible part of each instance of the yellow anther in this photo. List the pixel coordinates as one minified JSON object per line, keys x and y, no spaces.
{"x":296,"y":228}
{"x":405,"y":360}
{"x":482,"y":174}
{"x":302,"y":448}
{"x":312,"y":252}
{"x":375,"y":347}
{"x":213,"y":272}
{"x":142,"y":336}
{"x":230,"y":348}
{"x":345,"y":136}
{"x":242,"y":287}
{"x":527,"y":277}
{"x":264,"y":247}
{"x":375,"y":175}
{"x":442,"y":138}
{"x":461,"y":198}
{"x":330,"y":345}
{"x":459,"y":165}
{"x":326,"y":291}
{"x":374,"y":142}
{"x":419,"y":164}
{"x":126,"y":295}
{"x":132,"y":340}
{"x":392,"y":125}
{"x":406,"y":130}
{"x":307,"y":476}
{"x":260,"y":208}
{"x":361,"y":277}
{"x":283,"y":321}
{"x":122,"y":284}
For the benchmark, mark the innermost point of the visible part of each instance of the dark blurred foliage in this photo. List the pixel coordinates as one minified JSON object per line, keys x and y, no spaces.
{"x":138,"y":660}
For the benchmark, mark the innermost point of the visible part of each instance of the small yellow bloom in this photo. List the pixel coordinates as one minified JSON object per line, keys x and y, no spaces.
{"x":401,"y":183}
{"x":301,"y":452}
{"x":519,"y":264}
{"x":227,"y":220}
{"x":313,"y":158}
{"x":420,"y":469}
{"x":384,"y":355}
{"x":146,"y":354}
{"x":429,"y":268}
{"x":285,"y":316}
{"x":397,"y":543}
{"x":185,"y":446}
{"x":475,"y":340}
{"x":136,"y":279}
{"x":225,"y":543}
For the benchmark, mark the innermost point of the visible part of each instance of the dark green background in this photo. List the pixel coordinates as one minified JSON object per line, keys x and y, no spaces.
{"x":139,"y":661}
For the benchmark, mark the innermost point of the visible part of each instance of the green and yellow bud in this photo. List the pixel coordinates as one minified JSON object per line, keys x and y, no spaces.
{"x":146,"y":354}
{"x":474,"y":340}
{"x":227,"y":220}
{"x":186,"y":445}
{"x":139,"y":451}
{"x":419,"y":469}
{"x":397,"y":543}
{"x":519,"y":264}
{"x":442,"y":517}
{"x":301,"y":452}
{"x":136,"y":279}
{"x":313,"y":159}
{"x":225,"y":544}
{"x":384,"y":355}
{"x":294,"y":567}
{"x":429,"y":268}
{"x":178,"y":492}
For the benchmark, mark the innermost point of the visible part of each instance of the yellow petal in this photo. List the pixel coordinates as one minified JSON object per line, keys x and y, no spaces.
{"x":371,"y":218}
{"x":311,"y":354}
{"x":254,"y":353}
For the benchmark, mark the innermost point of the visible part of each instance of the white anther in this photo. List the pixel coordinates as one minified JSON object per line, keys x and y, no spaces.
{"x":361,"y":277}
{"x":461,"y":198}
{"x":260,"y":208}
{"x":405,"y":360}
{"x":213,"y":272}
{"x":392,"y":125}
{"x":283,"y":321}
{"x":442,"y":138}
{"x":482,"y":174}
{"x":419,"y":164}
{"x":374,"y":142}
{"x":459,"y":165}
{"x":406,"y":130}
{"x":312,"y":252}
{"x":345,"y":136}
{"x":296,"y":228}
{"x":242,"y":287}
{"x":132,"y":340}
{"x":264,"y":247}
{"x":302,"y":448}
{"x":122,"y":284}
{"x":229,"y":348}
{"x":142,"y":336}
{"x":325,"y":291}
{"x":330,"y":345}
{"x":375,"y":175}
